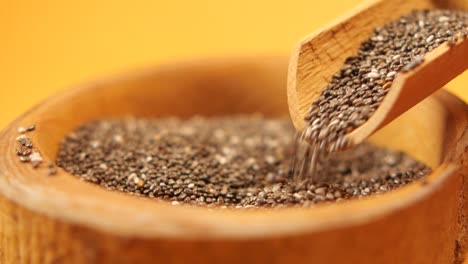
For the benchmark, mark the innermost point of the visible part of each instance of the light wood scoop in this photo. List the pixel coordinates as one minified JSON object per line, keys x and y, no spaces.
{"x":318,"y":56}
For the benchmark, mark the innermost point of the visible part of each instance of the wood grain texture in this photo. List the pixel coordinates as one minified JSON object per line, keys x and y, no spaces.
{"x":320,"y":55}
{"x":62,"y":219}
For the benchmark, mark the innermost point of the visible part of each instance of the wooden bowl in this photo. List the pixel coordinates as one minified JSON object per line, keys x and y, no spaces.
{"x":61,"y":219}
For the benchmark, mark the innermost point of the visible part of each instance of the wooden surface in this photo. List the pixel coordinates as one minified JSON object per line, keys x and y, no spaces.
{"x":62,"y":219}
{"x":320,"y":55}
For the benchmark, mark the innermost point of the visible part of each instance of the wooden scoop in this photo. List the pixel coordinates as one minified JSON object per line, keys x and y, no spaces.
{"x":318,"y":56}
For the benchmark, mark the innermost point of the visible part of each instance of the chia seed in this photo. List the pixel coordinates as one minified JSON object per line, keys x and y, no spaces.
{"x":232,"y":161}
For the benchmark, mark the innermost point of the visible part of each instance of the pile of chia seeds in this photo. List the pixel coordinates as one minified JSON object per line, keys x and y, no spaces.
{"x":356,"y":91}
{"x":233,"y":161}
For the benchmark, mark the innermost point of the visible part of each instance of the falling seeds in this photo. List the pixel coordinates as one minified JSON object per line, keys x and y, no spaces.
{"x":356,"y":91}
{"x":234,"y":161}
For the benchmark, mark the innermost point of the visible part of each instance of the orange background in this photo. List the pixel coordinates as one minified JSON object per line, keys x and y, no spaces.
{"x":48,"y":45}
